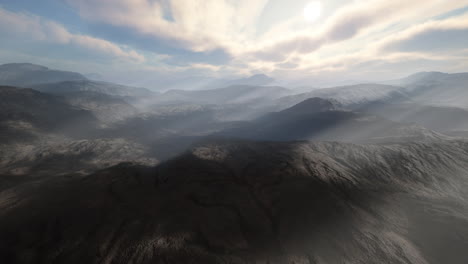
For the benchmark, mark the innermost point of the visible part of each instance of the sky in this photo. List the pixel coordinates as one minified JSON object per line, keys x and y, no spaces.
{"x":154,"y":43}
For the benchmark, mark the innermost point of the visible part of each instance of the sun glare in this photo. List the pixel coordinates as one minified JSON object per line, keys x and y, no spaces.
{"x":312,"y":11}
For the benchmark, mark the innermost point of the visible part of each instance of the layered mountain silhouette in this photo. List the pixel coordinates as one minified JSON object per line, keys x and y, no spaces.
{"x":437,"y":88}
{"x":30,"y":111}
{"x":322,"y":119}
{"x":112,"y":89}
{"x":237,"y":94}
{"x":254,"y":80}
{"x":96,"y":172}
{"x":349,"y":95}
{"x":107,"y":108}
{"x":198,"y":82}
{"x":439,"y":118}
{"x":26,"y":74}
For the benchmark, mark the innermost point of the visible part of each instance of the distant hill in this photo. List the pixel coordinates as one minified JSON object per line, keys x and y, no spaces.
{"x":419,"y":77}
{"x":106,"y":108}
{"x":26,"y":75}
{"x":322,"y":119}
{"x":237,"y":94}
{"x":348,"y":95}
{"x":28,"y":110}
{"x":313,"y":105}
{"x":254,"y":80}
{"x":437,"y":88}
{"x":439,"y":118}
{"x":93,"y":86}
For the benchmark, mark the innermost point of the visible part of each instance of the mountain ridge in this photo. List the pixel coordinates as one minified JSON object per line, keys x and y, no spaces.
{"x":266,"y":202}
{"x":27,"y":74}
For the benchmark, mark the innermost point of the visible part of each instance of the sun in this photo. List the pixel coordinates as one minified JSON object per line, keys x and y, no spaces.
{"x":312,"y":11}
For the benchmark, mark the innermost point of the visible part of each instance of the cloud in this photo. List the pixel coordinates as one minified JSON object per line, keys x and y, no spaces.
{"x":230,"y":27}
{"x":39,"y":29}
{"x":352,"y":21}
{"x":197,"y":25}
{"x":227,"y":37}
{"x":432,"y":45}
{"x":447,"y":34}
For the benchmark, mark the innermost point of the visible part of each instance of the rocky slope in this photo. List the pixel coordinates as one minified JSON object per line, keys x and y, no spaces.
{"x":243,"y":202}
{"x":107,"y":108}
{"x":26,"y":111}
{"x":58,"y":156}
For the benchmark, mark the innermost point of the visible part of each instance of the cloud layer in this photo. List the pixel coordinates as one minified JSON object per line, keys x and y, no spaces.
{"x":33,"y":28}
{"x":225,"y":37}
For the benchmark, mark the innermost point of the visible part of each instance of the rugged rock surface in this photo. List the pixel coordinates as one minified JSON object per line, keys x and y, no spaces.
{"x":108,"y":109}
{"x":27,"y":111}
{"x":59,"y":156}
{"x":242,"y":202}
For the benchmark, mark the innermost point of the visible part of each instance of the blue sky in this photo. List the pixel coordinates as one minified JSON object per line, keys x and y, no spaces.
{"x":150,"y":42}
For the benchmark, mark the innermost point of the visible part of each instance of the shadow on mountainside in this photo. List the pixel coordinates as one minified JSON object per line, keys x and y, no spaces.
{"x":242,"y":202}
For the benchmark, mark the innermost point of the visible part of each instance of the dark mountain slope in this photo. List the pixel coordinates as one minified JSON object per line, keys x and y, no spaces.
{"x":112,"y":89}
{"x":313,"y":105}
{"x":321,"y":119}
{"x":243,"y":202}
{"x":348,"y":95}
{"x":26,"y":74}
{"x":26,"y":110}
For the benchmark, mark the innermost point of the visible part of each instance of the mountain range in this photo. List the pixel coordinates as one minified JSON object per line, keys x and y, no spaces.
{"x":244,"y":202}
{"x":27,"y":74}
{"x":239,"y":172}
{"x":321,"y":119}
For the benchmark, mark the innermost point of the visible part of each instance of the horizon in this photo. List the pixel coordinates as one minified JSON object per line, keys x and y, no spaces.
{"x":214,"y":84}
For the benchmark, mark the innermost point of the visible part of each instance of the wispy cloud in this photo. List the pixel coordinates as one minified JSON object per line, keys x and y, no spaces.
{"x":28,"y":26}
{"x":435,"y":34}
{"x":228,"y":37}
{"x":353,"y":20}
{"x":198,"y":25}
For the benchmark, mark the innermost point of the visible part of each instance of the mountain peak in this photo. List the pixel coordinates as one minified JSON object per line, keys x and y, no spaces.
{"x":314,"y":105}
{"x":260,"y":78}
{"x":260,"y":75}
{"x":424,"y":76}
{"x":28,"y":75}
{"x":24,"y":67}
{"x":257,"y":79}
{"x":427,"y":74}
